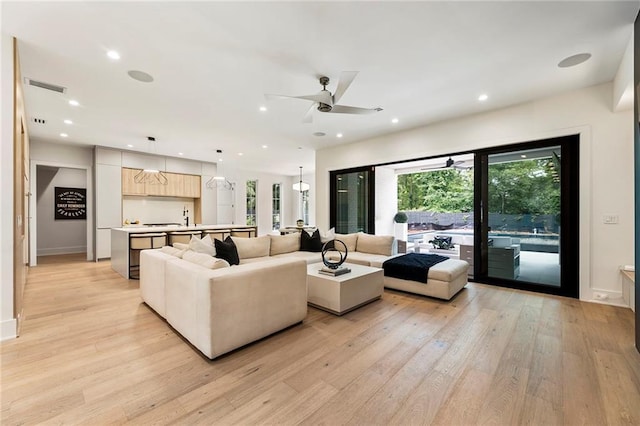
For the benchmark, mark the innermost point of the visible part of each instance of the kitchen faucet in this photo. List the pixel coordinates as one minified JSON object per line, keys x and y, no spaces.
{"x":185,"y":214}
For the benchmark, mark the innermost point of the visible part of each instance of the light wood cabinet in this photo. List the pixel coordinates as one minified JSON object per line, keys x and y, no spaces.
{"x":178,"y":185}
{"x":129,"y":185}
{"x":191,"y":186}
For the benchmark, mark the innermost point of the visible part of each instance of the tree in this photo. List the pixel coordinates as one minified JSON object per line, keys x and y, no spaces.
{"x":445,"y":191}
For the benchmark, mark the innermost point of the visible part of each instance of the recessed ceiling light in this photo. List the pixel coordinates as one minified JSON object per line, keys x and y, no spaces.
{"x":523,"y":156}
{"x":263,"y":108}
{"x":265,"y":146}
{"x":68,"y":122}
{"x":220,"y":160}
{"x":394,"y":120}
{"x":241,"y":154}
{"x":339,"y":135}
{"x":113,"y":54}
{"x":64,"y":135}
{"x":74,"y":102}
{"x":180,"y":153}
{"x":129,"y":145}
{"x":483,"y":97}
{"x":140,"y":76}
{"x":573,"y":60}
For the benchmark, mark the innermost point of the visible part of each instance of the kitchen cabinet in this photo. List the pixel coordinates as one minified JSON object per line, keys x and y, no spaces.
{"x":108,"y":206}
{"x":191,"y":186}
{"x":178,"y":185}
{"x":129,"y":185}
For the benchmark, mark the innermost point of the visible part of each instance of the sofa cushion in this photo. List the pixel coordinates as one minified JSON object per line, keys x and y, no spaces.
{"x":227,"y":250}
{"x":204,"y":245}
{"x":311,"y":242}
{"x":252,"y":247}
{"x":205,"y":260}
{"x":308,"y":256}
{"x":375,"y":244}
{"x":284,"y":243}
{"x":172,"y":251}
{"x":349,"y":240}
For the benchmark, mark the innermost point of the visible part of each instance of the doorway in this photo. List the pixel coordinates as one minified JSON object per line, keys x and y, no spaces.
{"x":527,"y":216}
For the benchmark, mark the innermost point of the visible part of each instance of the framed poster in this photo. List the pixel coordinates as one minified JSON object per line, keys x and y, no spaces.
{"x":70,"y":203}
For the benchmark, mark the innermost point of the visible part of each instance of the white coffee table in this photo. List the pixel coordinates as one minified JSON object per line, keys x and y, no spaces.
{"x":344,"y":293}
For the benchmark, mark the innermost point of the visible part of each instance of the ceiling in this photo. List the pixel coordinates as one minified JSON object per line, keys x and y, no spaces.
{"x":212,"y":63}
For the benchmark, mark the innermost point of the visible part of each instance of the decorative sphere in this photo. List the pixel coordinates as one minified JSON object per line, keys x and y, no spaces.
{"x":330,"y":246}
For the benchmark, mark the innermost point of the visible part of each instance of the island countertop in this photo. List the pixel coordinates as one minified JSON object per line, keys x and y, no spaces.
{"x":139,"y":229}
{"x":121,"y":252}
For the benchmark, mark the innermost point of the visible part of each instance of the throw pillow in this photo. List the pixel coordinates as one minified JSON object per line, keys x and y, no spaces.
{"x":281,"y":244}
{"x":328,"y":236}
{"x":249,"y":248}
{"x":172,"y":251}
{"x":375,"y":244}
{"x":204,"y":245}
{"x":310,"y":242}
{"x":349,"y":240}
{"x":205,"y":260}
{"x":181,"y":246}
{"x":227,"y":250}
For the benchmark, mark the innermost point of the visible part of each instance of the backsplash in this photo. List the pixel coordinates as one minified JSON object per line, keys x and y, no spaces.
{"x":156,"y":209}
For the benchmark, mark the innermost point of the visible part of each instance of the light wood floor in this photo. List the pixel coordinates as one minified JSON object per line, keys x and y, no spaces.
{"x":92,"y":353}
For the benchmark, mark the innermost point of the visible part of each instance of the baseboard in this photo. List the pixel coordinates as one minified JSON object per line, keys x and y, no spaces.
{"x":8,"y":329}
{"x":61,"y":250}
{"x":607,"y":297}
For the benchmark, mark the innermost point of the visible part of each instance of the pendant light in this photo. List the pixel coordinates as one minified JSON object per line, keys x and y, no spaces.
{"x":219,"y":181}
{"x":300,"y":186}
{"x":151,"y":176}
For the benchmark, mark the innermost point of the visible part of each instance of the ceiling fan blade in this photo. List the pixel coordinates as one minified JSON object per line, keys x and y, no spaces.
{"x":322,"y":96}
{"x":308,"y":117}
{"x":343,"y":109}
{"x":346,"y":78}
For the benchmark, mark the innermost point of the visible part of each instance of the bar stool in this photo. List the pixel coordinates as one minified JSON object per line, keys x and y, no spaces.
{"x":182,"y":236}
{"x":244,"y":232}
{"x":220,"y":234}
{"x":138,"y":242}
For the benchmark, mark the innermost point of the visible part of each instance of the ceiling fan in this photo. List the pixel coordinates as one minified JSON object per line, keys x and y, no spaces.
{"x":326,"y":102}
{"x":449,"y":164}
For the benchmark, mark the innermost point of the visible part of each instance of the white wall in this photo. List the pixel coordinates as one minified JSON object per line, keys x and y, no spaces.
{"x":386,"y":200}
{"x":7,"y":320}
{"x":289,"y":198}
{"x":58,"y":236}
{"x":606,"y":167}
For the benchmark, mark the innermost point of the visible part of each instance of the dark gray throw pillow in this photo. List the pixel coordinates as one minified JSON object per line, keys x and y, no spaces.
{"x":227,"y":250}
{"x":310,"y":242}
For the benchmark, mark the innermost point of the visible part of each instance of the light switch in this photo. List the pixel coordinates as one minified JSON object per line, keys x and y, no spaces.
{"x":610,"y":219}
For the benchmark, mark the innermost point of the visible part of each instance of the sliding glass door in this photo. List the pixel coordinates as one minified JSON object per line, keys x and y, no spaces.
{"x":527,"y":203}
{"x":352,"y":200}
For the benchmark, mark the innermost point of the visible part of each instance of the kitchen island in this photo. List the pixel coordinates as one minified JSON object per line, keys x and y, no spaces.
{"x":124,"y":253}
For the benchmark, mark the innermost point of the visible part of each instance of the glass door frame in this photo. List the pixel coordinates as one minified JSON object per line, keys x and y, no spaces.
{"x":333,"y":195}
{"x":569,"y":216}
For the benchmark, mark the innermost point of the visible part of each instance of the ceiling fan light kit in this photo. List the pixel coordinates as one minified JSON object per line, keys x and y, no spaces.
{"x":326,"y":102}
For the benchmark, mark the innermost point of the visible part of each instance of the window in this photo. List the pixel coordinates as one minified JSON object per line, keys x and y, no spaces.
{"x":275,"y":206}
{"x":251,"y":201}
{"x":305,"y":206}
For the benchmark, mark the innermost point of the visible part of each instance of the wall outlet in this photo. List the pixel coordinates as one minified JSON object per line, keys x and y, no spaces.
{"x":610,"y":219}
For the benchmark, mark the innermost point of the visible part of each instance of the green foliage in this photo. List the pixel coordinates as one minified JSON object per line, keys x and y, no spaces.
{"x":443,"y":191}
{"x":519,"y":187}
{"x":524,"y":187}
{"x":400,"y":217}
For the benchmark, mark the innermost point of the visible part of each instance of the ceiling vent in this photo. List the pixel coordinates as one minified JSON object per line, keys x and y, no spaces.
{"x":38,"y":120}
{"x":43,"y":85}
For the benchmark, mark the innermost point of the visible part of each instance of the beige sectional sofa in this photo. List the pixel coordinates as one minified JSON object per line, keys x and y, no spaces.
{"x":218,"y":308}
